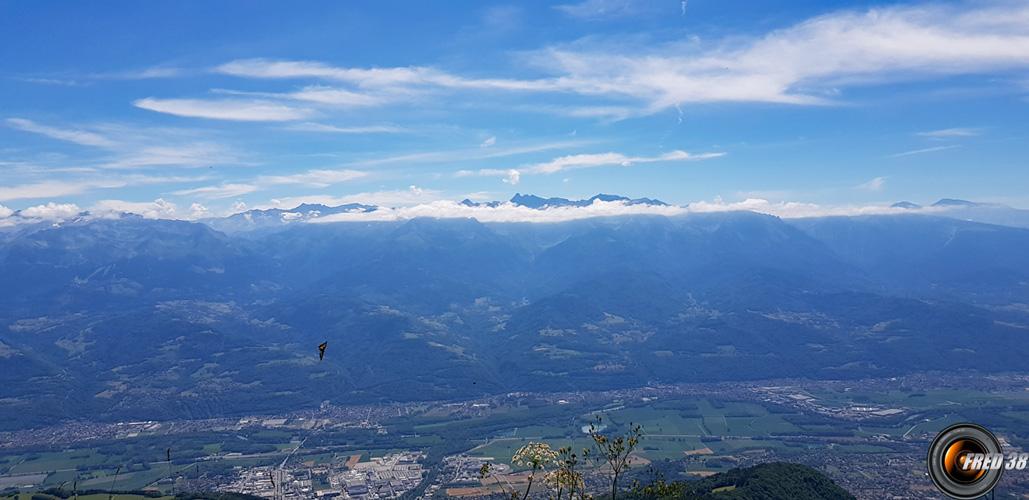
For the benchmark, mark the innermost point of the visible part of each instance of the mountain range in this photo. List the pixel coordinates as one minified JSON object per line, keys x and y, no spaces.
{"x":135,"y":318}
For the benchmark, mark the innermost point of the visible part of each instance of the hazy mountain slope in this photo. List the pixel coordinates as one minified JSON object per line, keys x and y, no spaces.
{"x":144,"y":318}
{"x":932,"y":256}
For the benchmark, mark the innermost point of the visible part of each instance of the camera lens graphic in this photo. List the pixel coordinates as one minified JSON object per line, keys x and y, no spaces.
{"x":954,"y":458}
{"x":950,"y":461}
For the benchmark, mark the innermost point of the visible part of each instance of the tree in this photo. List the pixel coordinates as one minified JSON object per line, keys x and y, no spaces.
{"x":613,"y":452}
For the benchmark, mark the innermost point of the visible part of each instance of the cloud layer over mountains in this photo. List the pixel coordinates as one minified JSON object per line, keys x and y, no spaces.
{"x":518,"y":209}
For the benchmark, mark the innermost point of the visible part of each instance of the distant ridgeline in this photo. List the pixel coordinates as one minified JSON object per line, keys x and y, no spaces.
{"x":138,"y":319}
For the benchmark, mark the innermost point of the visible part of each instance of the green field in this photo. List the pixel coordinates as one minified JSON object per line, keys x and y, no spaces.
{"x":717,"y":432}
{"x":671,"y":428}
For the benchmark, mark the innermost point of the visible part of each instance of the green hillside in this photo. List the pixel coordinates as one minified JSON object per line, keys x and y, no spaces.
{"x":762,"y":482}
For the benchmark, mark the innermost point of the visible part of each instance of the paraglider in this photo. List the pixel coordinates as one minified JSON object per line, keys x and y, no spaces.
{"x":321,"y":350}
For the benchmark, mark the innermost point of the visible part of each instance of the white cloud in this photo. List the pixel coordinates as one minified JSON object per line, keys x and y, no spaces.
{"x":396,"y":79}
{"x":198,"y":211}
{"x":509,"y":212}
{"x":132,"y":146}
{"x":151,"y":73}
{"x":335,"y":96}
{"x":52,"y":189}
{"x":808,"y":63}
{"x":413,"y":195}
{"x":490,"y":141}
{"x":511,"y":176}
{"x":332,"y":129}
{"x":49,"y":81}
{"x":951,"y":132}
{"x":803,"y":63}
{"x":225,"y":109}
{"x":157,"y":209}
{"x":219,"y":192}
{"x":595,"y":9}
{"x":51,"y":211}
{"x":791,"y":209}
{"x":505,"y":212}
{"x":609,"y":159}
{"x":5,"y":212}
{"x":81,"y":137}
{"x":876,"y":184}
{"x":55,"y":189}
{"x":317,"y":178}
{"x":458,"y":155}
{"x":194,"y":155}
{"x":923,"y":151}
{"x":578,"y":161}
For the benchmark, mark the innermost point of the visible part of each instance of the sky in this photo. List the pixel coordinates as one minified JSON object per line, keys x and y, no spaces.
{"x":192,"y":109}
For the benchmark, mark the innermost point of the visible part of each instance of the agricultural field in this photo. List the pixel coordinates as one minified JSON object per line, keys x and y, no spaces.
{"x":705,"y":434}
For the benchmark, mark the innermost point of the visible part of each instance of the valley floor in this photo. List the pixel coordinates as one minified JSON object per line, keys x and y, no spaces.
{"x":869,"y":436}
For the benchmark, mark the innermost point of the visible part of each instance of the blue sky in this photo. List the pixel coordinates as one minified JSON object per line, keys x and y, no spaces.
{"x":187,"y":109}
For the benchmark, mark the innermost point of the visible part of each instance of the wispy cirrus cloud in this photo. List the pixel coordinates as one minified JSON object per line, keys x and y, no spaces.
{"x":597,"y":9}
{"x":804,"y":64}
{"x":60,"y":188}
{"x":77,"y":136}
{"x":187,"y":155}
{"x":876,"y":184}
{"x":801,"y":63}
{"x":129,"y":147}
{"x":221,"y":191}
{"x":611,"y":159}
{"x":74,"y":80}
{"x":148,"y":73}
{"x":588,"y":160}
{"x":510,"y":175}
{"x":334,"y":129}
{"x":948,"y":133}
{"x":314,"y":178}
{"x":226,"y":109}
{"x":923,"y":151}
{"x":395,"y":78}
{"x":49,"y":189}
{"x":469,"y":154}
